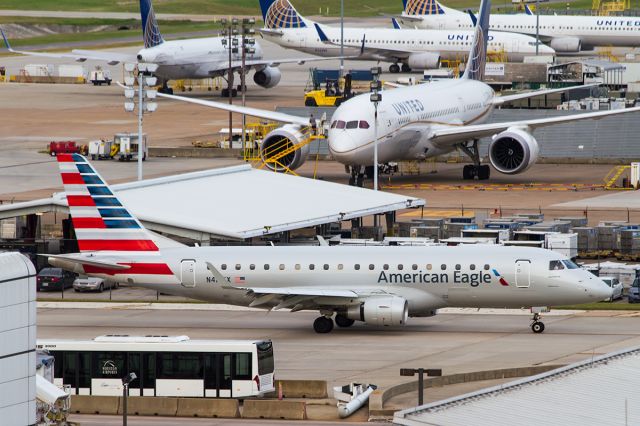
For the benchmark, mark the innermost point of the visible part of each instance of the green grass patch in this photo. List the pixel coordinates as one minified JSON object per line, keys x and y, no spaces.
{"x":603,"y":306}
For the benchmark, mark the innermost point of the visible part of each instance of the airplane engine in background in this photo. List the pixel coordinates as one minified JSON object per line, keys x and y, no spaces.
{"x":267,"y":77}
{"x":566,"y":44}
{"x":423,"y":61}
{"x":381,"y":311}
{"x":282,"y":140}
{"x":513,"y":151}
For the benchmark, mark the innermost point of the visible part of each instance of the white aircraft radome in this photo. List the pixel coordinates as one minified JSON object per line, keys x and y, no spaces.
{"x":566,"y":34}
{"x":406,"y":49}
{"x":382,"y":286}
{"x":182,"y":59}
{"x":422,"y":121}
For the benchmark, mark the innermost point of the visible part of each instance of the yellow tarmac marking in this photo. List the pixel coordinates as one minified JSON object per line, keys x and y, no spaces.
{"x":496,"y":187}
{"x":437,"y":213}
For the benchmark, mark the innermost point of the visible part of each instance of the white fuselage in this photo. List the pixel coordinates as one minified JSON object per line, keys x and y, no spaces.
{"x":450,"y":45}
{"x":590,"y":30}
{"x":192,"y":58}
{"x":405,"y":116}
{"x":427,"y":277}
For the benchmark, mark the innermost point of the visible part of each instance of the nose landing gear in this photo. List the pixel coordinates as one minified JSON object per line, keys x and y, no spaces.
{"x":537,"y":326}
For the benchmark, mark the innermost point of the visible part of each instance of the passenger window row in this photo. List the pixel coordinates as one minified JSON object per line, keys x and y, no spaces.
{"x":356,"y":267}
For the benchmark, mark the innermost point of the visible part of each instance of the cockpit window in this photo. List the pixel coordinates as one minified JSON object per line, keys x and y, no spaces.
{"x":352,"y":124}
{"x":340,"y":124}
{"x":363,"y":124}
{"x":333,"y":125}
{"x":569,"y":264}
{"x":556,"y":265}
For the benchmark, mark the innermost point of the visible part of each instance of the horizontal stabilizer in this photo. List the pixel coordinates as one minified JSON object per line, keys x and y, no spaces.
{"x":84,"y":260}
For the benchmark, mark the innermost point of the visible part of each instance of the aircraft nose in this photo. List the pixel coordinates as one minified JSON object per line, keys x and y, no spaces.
{"x":600,"y":291}
{"x":340,"y":143}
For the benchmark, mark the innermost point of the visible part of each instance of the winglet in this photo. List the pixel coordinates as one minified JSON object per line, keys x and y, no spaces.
{"x":474,"y":18}
{"x":6,"y":41}
{"x":395,"y":23}
{"x":321,"y":34}
{"x":527,"y":10}
{"x":364,"y":37}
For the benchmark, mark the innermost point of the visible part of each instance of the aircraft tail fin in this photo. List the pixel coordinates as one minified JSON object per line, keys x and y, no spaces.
{"x":150,"y":29}
{"x":100,"y":220}
{"x":478,"y":53}
{"x":278,"y":14}
{"x":424,"y":7}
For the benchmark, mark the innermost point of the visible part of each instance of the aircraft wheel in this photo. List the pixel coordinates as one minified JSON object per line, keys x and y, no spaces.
{"x":342,"y":321}
{"x":406,"y":68}
{"x":394,"y":68}
{"x":537,"y":327}
{"x":323,"y":325}
{"x":467,"y":172}
{"x":484,"y":172}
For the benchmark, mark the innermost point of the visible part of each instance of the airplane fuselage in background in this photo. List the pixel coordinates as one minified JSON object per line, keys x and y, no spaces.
{"x":591,"y":31}
{"x":427,"y":277}
{"x":192,"y":58}
{"x":451,"y":45}
{"x":405,"y":116}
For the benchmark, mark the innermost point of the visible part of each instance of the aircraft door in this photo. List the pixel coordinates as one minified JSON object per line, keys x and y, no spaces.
{"x":188,"y":273}
{"x":523,"y":273}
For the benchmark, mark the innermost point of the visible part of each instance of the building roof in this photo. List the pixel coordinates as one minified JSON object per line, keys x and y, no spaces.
{"x":235,"y":202}
{"x":598,"y":391}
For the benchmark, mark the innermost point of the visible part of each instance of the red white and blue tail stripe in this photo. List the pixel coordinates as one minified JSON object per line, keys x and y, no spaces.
{"x":100,"y":220}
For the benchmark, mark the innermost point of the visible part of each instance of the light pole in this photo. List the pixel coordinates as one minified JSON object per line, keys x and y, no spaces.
{"x":341,"y":38}
{"x":126,"y":380}
{"x":537,"y":28}
{"x":230,"y":31}
{"x":433,"y":372}
{"x":143,"y":73}
{"x":376,"y":98}
{"x":247,"y":48}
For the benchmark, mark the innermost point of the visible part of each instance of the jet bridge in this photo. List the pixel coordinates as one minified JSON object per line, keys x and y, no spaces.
{"x":237,"y":202}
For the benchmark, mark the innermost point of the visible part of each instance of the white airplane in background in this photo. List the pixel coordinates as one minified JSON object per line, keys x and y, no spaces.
{"x":564,"y":33}
{"x":419,"y":122}
{"x":407,"y":49}
{"x":183,"y":59}
{"x":381,"y":286}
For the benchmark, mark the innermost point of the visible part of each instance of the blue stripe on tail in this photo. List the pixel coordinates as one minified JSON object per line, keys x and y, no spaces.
{"x":279,"y":14}
{"x":150,"y":30}
{"x":422,"y":7}
{"x":478,"y":53}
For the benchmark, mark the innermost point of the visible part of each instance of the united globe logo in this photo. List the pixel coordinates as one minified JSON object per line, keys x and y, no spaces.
{"x":281,"y":14}
{"x":423,"y":7}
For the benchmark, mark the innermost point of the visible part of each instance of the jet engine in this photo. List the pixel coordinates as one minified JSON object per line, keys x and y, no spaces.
{"x":267,"y":77}
{"x":381,"y":311}
{"x":278,"y":147}
{"x":423,"y":61}
{"x":513,"y":151}
{"x":566,"y":44}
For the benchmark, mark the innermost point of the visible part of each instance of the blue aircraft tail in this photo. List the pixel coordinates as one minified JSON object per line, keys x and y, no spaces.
{"x":478,"y":53}
{"x":278,"y":14}
{"x":422,"y":7}
{"x":150,"y":30}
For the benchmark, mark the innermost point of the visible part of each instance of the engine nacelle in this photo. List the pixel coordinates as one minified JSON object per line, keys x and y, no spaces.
{"x":381,"y":311}
{"x":268,"y":77}
{"x":566,"y":44}
{"x":277,"y":148}
{"x":513,"y":151}
{"x":423,"y":61}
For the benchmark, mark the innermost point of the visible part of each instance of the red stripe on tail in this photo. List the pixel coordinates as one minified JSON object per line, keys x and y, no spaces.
{"x":136,"y":269}
{"x":88,"y":223}
{"x":65,"y":158}
{"x":117,"y":245}
{"x":80,"y":201}
{"x":72,"y":179}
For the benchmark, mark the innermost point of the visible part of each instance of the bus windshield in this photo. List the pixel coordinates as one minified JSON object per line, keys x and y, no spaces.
{"x":265,"y":358}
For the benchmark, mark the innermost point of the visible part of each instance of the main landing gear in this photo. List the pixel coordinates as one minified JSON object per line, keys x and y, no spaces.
{"x":323,"y":325}
{"x":165,"y":88}
{"x":537,"y":326}
{"x":394,"y":68}
{"x":477,"y":170}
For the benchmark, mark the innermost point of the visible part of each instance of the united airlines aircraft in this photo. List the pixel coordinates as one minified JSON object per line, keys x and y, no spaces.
{"x":382,"y":286}
{"x":406,"y":49}
{"x":182,"y":59}
{"x":419,"y":122}
{"x":564,"y":33}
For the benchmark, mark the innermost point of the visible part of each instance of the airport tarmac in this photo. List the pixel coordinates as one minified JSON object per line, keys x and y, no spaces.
{"x":457,"y":343}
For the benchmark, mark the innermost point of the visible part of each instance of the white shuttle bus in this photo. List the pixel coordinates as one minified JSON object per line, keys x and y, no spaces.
{"x":164,"y":366}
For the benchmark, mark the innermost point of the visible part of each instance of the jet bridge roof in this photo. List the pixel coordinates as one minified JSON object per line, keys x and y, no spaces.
{"x":235,"y":202}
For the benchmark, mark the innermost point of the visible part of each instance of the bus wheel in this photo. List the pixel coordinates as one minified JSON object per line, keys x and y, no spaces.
{"x":323,"y":325}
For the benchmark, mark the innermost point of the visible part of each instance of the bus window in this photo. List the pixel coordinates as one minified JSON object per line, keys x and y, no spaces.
{"x":179,"y":365}
{"x":135,"y":367}
{"x":84,"y":370}
{"x":265,"y":358}
{"x":225,"y":380}
{"x":210,"y":371}
{"x":57,"y":365}
{"x":109,"y":365}
{"x":242,"y":366}
{"x":149,"y":372}
{"x":69,"y":363}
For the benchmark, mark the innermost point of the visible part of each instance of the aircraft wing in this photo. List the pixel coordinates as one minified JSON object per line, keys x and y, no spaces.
{"x":78,"y":55}
{"x":254,"y":112}
{"x":453,"y":134}
{"x":410,"y":18}
{"x":301,"y":291}
{"x":223,"y":67}
{"x":499,"y":100}
{"x":270,"y":31}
